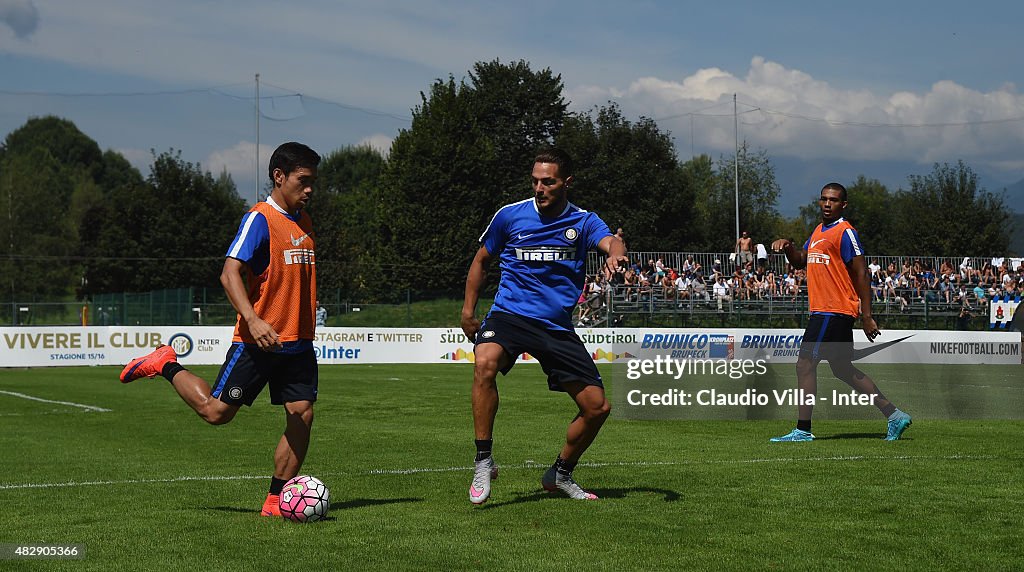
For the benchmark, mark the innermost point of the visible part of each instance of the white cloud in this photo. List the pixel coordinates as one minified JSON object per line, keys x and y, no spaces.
{"x":788,"y":112}
{"x":21,"y":16}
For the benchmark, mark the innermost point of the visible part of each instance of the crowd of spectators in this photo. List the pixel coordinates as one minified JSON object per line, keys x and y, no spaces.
{"x":744,"y":278}
{"x":962,"y":285}
{"x":641,"y":282}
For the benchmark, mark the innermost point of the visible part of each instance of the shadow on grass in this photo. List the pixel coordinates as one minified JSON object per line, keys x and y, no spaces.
{"x":344,"y":505}
{"x":603,"y":494}
{"x":359,"y":503}
{"x":878,"y":436}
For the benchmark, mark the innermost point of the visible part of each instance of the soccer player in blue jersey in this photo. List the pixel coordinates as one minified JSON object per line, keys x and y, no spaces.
{"x":542,"y":245}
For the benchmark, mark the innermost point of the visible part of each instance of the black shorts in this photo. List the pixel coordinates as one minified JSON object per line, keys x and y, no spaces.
{"x":247,"y":369}
{"x":828,"y":337}
{"x":561,"y":353}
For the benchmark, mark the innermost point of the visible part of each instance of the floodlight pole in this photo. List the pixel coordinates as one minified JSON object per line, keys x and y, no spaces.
{"x":736,"y":165}
{"x":257,"y":107}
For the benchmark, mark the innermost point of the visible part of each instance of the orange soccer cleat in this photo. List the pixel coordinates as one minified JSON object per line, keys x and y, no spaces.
{"x":149,"y":365}
{"x":271,"y":506}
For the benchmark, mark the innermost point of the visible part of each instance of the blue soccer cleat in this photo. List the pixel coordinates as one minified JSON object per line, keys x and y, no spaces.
{"x":794,"y":435}
{"x":898,"y":423}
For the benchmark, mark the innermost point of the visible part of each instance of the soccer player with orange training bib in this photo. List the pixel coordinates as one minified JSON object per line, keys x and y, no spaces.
{"x":269,"y":276}
{"x":838,"y":292}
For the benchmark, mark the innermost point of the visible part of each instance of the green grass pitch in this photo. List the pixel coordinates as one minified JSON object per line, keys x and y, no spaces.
{"x":148,"y":486}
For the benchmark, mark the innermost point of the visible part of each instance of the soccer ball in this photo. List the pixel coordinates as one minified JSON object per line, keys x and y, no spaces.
{"x":305,"y":499}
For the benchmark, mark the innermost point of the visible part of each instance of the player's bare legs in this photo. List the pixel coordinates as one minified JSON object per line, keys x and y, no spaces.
{"x":196,"y":393}
{"x":292,"y":448}
{"x":594,"y":410}
{"x":897,"y":420}
{"x":489,"y":359}
{"x":807,"y":383}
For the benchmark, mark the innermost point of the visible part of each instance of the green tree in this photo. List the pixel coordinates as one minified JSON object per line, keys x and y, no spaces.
{"x":171,"y":232}
{"x":716,"y":200}
{"x":871,"y":210}
{"x":945,"y":213}
{"x":467,"y":152}
{"x":49,"y":175}
{"x":628,"y":173}
{"x":345,"y":211}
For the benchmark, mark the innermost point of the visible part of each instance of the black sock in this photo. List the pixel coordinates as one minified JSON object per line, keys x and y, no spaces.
{"x":170,"y":369}
{"x":276,"y":485}
{"x":483,"y":448}
{"x":888,"y":410}
{"x":564,"y":467}
{"x":804,"y":425}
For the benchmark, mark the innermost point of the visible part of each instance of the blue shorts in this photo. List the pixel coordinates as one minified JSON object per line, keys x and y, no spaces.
{"x":561,"y":353}
{"x":247,"y":369}
{"x":828,"y":337}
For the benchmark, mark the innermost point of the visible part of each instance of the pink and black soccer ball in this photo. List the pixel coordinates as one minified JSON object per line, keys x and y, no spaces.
{"x":305,"y":499}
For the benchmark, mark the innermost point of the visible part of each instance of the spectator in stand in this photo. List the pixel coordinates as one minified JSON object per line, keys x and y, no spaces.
{"x":682,"y":286}
{"x":744,"y":249}
{"x":621,"y":236}
{"x":668,"y":287}
{"x":698,"y":290}
{"x":770,"y":284}
{"x":762,"y":256}
{"x":321,"y":315}
{"x":631,"y":282}
{"x":721,"y":291}
{"x":689,"y":265}
{"x":738,"y":286}
{"x":873,"y":268}
{"x":945,"y":269}
{"x":716,"y":269}
{"x":876,"y":287}
{"x":945,"y":290}
{"x":979,"y":293}
{"x":931,"y":284}
{"x":755,"y":287}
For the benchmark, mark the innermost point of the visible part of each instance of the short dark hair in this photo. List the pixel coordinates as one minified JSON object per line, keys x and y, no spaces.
{"x":290,"y":156}
{"x":558,"y":157}
{"x":837,"y":187}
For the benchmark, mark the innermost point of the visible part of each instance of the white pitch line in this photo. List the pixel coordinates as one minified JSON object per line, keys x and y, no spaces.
{"x":129,"y":482}
{"x":86,"y":407}
{"x":528,"y":464}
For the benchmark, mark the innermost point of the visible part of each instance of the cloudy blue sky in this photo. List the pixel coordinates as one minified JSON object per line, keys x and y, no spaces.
{"x":828,"y":90}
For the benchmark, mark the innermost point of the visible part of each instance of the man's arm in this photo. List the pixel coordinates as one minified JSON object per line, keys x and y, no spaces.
{"x":475,"y":281}
{"x":613,"y":247}
{"x":859,"y":276}
{"x":232,"y":278}
{"x":797,"y":257}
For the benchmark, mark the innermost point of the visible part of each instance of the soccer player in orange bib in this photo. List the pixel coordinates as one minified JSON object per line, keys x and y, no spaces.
{"x":838,"y":291}
{"x":270,"y":278}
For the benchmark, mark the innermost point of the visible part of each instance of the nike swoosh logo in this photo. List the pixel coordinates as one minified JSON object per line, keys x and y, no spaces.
{"x":816,"y":242}
{"x":298,"y":241}
{"x":865,"y":352}
{"x":522,"y":236}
